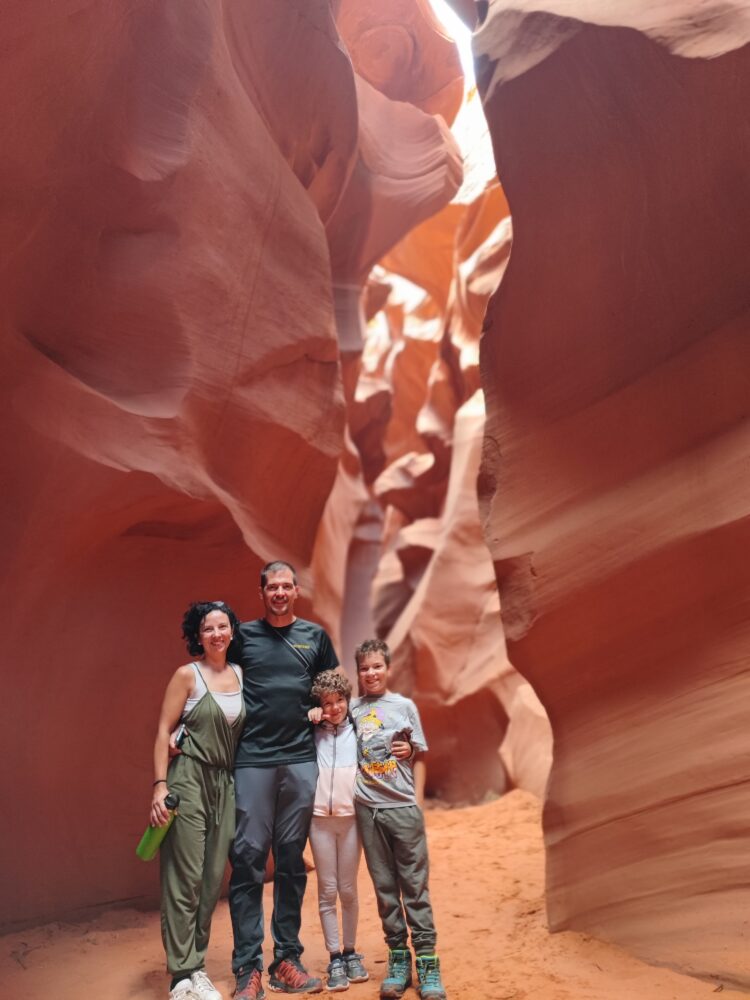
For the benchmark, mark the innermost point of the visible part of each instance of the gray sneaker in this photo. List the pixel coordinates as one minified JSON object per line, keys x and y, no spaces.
{"x":355,"y":970}
{"x":337,"y":979}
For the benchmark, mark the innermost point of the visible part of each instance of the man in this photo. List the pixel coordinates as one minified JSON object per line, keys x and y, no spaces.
{"x":275,"y":778}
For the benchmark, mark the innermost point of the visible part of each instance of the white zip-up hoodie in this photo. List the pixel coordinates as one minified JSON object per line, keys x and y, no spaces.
{"x":336,"y":747}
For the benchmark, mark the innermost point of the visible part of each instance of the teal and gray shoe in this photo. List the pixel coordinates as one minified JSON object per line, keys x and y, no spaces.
{"x":429,"y":984}
{"x":399,"y":974}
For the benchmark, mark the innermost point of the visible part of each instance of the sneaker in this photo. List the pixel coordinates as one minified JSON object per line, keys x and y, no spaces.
{"x":399,"y":974}
{"x":355,"y":970}
{"x":337,"y":978}
{"x":183,"y":991}
{"x":203,"y":987}
{"x":253,"y":988}
{"x":290,"y":976}
{"x":430,"y":985}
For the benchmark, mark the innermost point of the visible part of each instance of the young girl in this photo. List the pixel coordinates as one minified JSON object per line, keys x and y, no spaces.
{"x":333,"y":832}
{"x":207,"y":696}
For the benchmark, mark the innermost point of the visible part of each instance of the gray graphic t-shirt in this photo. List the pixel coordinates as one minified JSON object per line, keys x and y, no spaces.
{"x":383,"y":781}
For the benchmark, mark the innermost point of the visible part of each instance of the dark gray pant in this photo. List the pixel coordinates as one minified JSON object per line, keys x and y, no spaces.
{"x":395,"y":847}
{"x":274,"y":809}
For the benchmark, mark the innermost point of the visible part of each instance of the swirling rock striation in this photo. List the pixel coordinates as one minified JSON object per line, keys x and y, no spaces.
{"x":615,"y":473}
{"x":171,"y":389}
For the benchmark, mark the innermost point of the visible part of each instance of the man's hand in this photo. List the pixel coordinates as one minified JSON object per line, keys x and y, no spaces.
{"x":315,"y":715}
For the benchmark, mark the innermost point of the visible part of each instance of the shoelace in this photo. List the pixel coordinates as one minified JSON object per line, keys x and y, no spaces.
{"x":398,"y":966}
{"x":291,"y":975}
{"x":431,"y":975}
{"x":201,"y":981}
{"x":252,"y":988}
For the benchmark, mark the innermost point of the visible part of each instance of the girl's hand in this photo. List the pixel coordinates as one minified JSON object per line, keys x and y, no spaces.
{"x":159,"y":812}
{"x":315,"y":715}
{"x":402,"y":750}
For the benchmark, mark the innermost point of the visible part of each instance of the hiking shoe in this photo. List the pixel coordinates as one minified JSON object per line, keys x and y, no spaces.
{"x":430,"y":985}
{"x":290,"y":976}
{"x":399,"y":974}
{"x":355,"y":970}
{"x":337,"y":978}
{"x":253,"y":988}
{"x":203,"y":987}
{"x":183,"y":991}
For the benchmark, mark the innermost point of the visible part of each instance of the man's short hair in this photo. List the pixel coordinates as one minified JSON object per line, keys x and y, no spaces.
{"x":372,"y":646}
{"x":275,"y":567}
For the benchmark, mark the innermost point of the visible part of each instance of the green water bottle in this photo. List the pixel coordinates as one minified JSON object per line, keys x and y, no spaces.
{"x":153,"y":835}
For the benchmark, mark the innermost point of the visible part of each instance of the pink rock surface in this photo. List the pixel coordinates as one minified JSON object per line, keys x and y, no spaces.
{"x":420,"y":365}
{"x":408,"y":167}
{"x":170,"y":378}
{"x":400,"y":48}
{"x":615,"y":476}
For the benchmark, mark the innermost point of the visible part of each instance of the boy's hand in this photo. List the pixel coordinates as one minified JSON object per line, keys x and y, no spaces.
{"x":402,"y":750}
{"x":315,"y":714}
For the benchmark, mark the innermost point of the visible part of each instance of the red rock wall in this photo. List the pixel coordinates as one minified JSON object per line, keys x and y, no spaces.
{"x":616,"y":365}
{"x":171,"y":390}
{"x":194,"y":195}
{"x":416,"y":419}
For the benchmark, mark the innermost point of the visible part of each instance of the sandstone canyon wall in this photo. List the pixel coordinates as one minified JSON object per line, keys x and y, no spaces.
{"x":188,"y":186}
{"x":171,"y":376}
{"x":615,"y":476}
{"x":415,"y":419}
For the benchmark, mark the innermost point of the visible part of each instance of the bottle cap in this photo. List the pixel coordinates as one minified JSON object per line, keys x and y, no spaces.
{"x":172,"y":800}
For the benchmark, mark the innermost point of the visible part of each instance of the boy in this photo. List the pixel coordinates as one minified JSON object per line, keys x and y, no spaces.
{"x":391,"y":823}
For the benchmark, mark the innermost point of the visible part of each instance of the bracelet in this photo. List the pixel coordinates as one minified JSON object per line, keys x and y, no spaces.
{"x":159,"y":781}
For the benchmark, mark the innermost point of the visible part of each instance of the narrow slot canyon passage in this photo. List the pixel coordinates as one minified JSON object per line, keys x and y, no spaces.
{"x":446,"y":303}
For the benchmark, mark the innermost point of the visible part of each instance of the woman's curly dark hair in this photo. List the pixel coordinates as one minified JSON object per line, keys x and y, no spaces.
{"x":193,"y":619}
{"x":330,"y":682}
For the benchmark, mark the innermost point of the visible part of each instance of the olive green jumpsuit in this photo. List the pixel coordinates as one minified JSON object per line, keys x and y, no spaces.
{"x":194,"y":852}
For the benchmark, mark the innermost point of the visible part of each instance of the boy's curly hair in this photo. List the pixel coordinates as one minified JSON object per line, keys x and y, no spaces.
{"x":330,"y":682}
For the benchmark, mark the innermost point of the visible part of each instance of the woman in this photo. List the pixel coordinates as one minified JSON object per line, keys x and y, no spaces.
{"x":206,"y":695}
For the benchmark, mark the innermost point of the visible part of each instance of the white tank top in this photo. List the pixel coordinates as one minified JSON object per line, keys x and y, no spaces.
{"x":230,"y":702}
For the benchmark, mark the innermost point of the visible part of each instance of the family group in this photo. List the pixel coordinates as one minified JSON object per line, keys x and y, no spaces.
{"x":274,"y":749}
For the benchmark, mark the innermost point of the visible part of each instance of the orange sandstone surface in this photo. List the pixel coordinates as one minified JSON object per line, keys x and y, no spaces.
{"x":616,"y":483}
{"x":487,"y":884}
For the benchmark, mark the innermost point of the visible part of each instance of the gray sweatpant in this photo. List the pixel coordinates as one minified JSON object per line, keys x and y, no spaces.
{"x":274,"y":807}
{"x":336,"y":849}
{"x":395,"y":846}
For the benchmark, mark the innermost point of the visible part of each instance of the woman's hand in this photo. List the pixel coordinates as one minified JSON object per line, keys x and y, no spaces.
{"x":315,"y":715}
{"x":402,"y":750}
{"x":159,"y":812}
{"x":174,"y":750}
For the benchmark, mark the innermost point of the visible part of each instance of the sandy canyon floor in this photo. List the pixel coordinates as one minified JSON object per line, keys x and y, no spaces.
{"x":487,"y":888}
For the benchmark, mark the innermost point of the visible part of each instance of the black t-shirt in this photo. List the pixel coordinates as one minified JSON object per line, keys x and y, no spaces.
{"x":277,"y":683}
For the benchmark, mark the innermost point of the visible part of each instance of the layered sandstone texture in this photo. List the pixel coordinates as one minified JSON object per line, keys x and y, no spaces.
{"x":412,"y":565}
{"x":193,"y":195}
{"x":171,"y":387}
{"x":615,"y":481}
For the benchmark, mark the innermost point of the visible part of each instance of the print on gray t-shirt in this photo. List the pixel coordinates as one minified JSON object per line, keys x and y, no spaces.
{"x":383,"y":781}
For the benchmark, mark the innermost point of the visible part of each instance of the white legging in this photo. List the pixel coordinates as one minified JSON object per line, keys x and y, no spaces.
{"x":336,"y":851}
